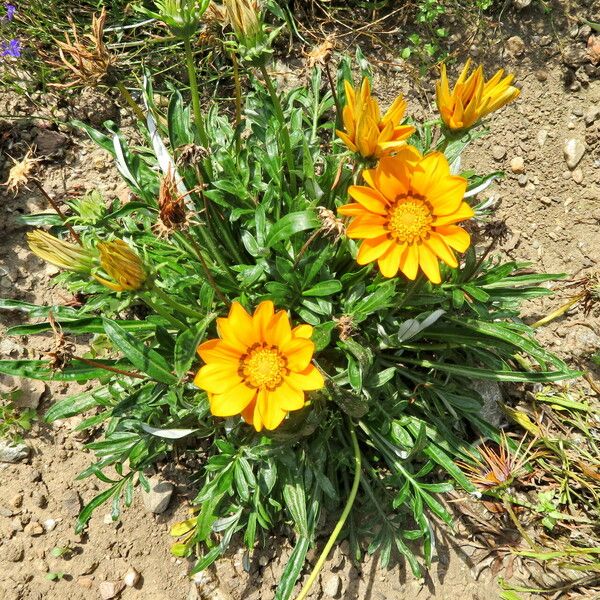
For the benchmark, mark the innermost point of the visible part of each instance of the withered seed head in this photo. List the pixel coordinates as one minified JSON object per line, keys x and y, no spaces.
{"x":331,"y":225}
{"x":88,"y":58}
{"x":345,"y":325}
{"x":172,"y":215}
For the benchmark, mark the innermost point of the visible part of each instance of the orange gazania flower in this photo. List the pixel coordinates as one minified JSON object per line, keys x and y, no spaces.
{"x":259,"y":368}
{"x":472,"y":98}
{"x":366,"y":131}
{"x":406,"y":215}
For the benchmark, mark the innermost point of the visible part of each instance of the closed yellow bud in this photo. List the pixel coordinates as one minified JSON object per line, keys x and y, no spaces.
{"x":122,"y":265}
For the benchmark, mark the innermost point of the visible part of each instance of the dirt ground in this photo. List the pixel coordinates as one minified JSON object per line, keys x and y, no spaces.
{"x":553,"y":215}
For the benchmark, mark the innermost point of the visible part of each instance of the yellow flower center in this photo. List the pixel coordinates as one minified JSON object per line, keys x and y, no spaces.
{"x":263,"y":367}
{"x":409,"y":219}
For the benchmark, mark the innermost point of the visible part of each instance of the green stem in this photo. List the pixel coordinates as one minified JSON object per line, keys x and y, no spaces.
{"x":209,"y":242}
{"x":191,"y":67}
{"x":225,"y":231}
{"x":184,"y":310}
{"x":338,"y":527}
{"x":139,"y":113}
{"x":238,"y":103}
{"x":163,"y":313}
{"x":285,"y":135}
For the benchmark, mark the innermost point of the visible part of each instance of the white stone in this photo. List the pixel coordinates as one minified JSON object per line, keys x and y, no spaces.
{"x":110,"y":589}
{"x":573,"y":150}
{"x":131,"y":578}
{"x":332,"y":585}
{"x":13,"y":453}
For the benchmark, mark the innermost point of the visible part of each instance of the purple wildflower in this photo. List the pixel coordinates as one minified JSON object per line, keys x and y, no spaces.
{"x":11,"y":9}
{"x":11,"y":48}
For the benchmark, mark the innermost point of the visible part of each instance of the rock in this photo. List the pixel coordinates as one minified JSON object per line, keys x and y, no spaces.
{"x":573,"y":151}
{"x":491,"y":393}
{"x":591,"y":115}
{"x":85,"y":582}
{"x":523,"y":180}
{"x":332,"y":586}
{"x":49,"y":524}
{"x":159,"y":496}
{"x":131,"y":578}
{"x":33,"y":529}
{"x":39,"y":499}
{"x":541,"y":75}
{"x":498,"y":152}
{"x":577,"y":175}
{"x":97,"y":107}
{"x":13,"y":551}
{"x":16,"y":501}
{"x":50,"y":143}
{"x":110,"y":589}
{"x":517,"y":164}
{"x":521,"y":4}
{"x":542,"y":136}
{"x":515,"y":45}
{"x":13,"y":453}
{"x":71,"y":503}
{"x":573,"y":56}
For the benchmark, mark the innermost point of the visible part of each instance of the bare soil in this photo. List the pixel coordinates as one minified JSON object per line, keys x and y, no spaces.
{"x":553,"y":216}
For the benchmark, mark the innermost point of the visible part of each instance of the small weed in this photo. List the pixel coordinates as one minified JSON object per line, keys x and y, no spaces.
{"x":13,"y":420}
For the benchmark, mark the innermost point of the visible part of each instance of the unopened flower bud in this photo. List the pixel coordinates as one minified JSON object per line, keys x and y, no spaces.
{"x":60,"y":253}
{"x":122,"y":265}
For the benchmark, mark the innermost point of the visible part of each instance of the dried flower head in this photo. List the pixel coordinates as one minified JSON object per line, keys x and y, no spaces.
{"x":345,"y":325}
{"x":172,"y":213}
{"x":20,"y":171}
{"x":320,"y":55}
{"x":331,"y":225}
{"x":191,"y":154}
{"x":590,"y":291}
{"x":122,"y":265}
{"x":65,"y":255}
{"x":88,"y":58}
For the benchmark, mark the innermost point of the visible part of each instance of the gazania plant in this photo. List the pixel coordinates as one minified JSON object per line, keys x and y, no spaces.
{"x":300,"y":293}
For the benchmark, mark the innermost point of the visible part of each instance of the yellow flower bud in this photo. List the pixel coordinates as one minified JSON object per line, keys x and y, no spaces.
{"x":122,"y":265}
{"x":244,"y":18}
{"x":60,"y":253}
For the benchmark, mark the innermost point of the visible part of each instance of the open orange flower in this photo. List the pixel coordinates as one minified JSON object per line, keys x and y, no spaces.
{"x":366,"y":132}
{"x":472,"y":98}
{"x":407,"y":214}
{"x":259,"y":368}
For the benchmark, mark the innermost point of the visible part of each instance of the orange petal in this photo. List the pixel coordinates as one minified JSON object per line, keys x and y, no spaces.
{"x":303,"y":331}
{"x":218,"y":351}
{"x":432,"y":169}
{"x":409,"y":261}
{"x":446,"y":194}
{"x":371,"y":199}
{"x":456,"y":237}
{"x":248,"y":412}
{"x":365,"y":227}
{"x":371,"y":250}
{"x":261,"y":320}
{"x":271,"y":414}
{"x":287,"y":396}
{"x":389,"y":263}
{"x":463,"y":213}
{"x":232,"y":402}
{"x":352,"y":210}
{"x":279,"y":330}
{"x":347,"y":140}
{"x":429,"y":264}
{"x":218,"y":378}
{"x":309,"y":379}
{"x":298,"y":352}
{"x":437,"y":244}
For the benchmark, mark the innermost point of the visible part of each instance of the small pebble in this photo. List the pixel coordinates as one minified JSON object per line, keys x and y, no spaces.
{"x":131,"y":578}
{"x":577,"y":175}
{"x":517,"y":164}
{"x":498,"y":152}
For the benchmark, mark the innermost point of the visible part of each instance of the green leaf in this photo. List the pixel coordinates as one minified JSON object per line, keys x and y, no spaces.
{"x":187,"y":344}
{"x":78,"y":326}
{"x":39,"y":369}
{"x":295,"y":500}
{"x":292,"y":570}
{"x":324,"y":288}
{"x":143,"y":358}
{"x":86,"y":513}
{"x":290,"y":224}
{"x":74,"y":405}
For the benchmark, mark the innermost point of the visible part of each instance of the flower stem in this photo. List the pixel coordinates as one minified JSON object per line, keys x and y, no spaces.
{"x":191,"y":67}
{"x":338,"y":527}
{"x":285,"y":135}
{"x":139,"y":113}
{"x":238,"y":102}
{"x":55,"y":206}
